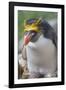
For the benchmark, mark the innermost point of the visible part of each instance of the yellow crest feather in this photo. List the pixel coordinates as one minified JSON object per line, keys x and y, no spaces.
{"x":33,"y":26}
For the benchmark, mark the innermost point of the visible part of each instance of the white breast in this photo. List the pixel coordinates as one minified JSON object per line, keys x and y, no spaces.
{"x":41,"y":56}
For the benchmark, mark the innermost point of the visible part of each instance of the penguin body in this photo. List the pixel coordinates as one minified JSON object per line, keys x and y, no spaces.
{"x":41,"y":56}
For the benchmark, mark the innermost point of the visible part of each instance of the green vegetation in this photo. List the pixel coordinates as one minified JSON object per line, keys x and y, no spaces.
{"x":23,"y":15}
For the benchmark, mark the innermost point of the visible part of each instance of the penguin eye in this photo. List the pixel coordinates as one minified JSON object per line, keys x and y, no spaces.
{"x":33,"y":33}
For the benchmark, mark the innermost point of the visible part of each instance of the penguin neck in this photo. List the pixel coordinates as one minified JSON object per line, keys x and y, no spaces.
{"x":40,"y":43}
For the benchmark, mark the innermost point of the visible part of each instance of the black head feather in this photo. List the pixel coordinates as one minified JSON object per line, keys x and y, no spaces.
{"x":48,"y":31}
{"x":31,"y":21}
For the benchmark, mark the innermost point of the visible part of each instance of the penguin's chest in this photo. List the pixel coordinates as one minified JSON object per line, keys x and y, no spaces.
{"x":41,"y":54}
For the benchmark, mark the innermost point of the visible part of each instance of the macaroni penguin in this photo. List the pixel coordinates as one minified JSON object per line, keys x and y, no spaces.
{"x":40,"y":41}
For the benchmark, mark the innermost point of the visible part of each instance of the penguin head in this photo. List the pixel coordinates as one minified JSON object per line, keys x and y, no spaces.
{"x":31,"y":29}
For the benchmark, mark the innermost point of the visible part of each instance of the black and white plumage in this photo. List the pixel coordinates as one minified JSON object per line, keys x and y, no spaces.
{"x":41,"y":51}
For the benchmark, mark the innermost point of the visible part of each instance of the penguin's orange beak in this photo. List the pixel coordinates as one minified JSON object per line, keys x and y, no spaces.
{"x":26,"y":39}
